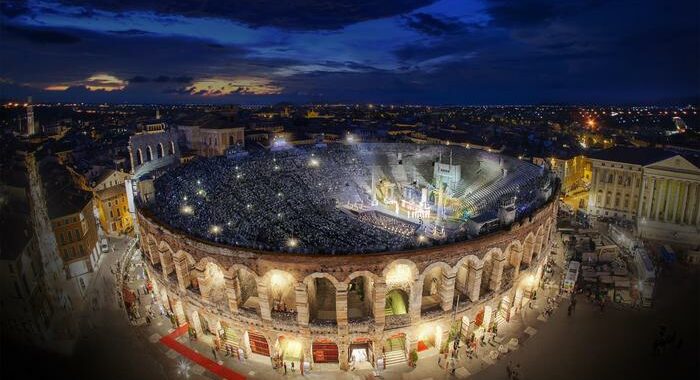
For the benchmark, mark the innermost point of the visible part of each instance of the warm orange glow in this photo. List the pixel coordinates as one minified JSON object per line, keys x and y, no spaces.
{"x":104,"y":82}
{"x":237,"y":85}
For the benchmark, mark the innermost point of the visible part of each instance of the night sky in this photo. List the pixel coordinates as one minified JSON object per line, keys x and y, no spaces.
{"x":385,"y":51}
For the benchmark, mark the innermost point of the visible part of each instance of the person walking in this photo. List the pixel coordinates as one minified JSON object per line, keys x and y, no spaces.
{"x":285,"y":368}
{"x":213,"y":352}
{"x":293,"y":367}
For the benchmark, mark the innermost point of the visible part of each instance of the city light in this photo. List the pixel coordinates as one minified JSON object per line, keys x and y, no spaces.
{"x":187,"y":210}
{"x":215,"y":230}
{"x":313,"y":162}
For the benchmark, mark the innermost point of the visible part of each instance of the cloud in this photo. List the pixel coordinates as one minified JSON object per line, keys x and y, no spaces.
{"x":295,"y":15}
{"x":14,"y":8}
{"x":222,"y":86}
{"x":433,"y":25}
{"x":96,"y":82}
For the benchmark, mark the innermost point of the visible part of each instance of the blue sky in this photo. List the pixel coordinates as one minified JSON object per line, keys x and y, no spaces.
{"x":410,"y":51}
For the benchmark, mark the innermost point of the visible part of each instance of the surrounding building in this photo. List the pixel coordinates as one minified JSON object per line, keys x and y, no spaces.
{"x":73,"y":224}
{"x":113,"y":210}
{"x":659,"y":190}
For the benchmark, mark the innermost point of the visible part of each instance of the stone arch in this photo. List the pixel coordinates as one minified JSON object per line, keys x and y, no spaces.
{"x":399,"y":273}
{"x":438,"y":287}
{"x":528,"y":248}
{"x":321,"y":292}
{"x":361,"y":294}
{"x":490,"y":262}
{"x":212,"y":281}
{"x":468,"y":272}
{"x":151,"y":248}
{"x":149,"y":153}
{"x":184,"y":264}
{"x":160,"y":151}
{"x":281,"y":290}
{"x":514,"y":253}
{"x":171,"y":150}
{"x":539,"y":242}
{"x":245,"y":284}
{"x":139,"y":156}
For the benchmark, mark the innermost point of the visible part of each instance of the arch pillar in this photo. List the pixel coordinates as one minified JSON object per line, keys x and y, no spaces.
{"x":231,"y":294}
{"x":343,"y":353}
{"x":341,"y":310}
{"x":447,"y":290}
{"x":497,"y":273}
{"x":528,"y":246}
{"x":415,"y":300}
{"x":182,"y":271}
{"x":379,"y":303}
{"x":474,"y":280}
{"x":166,"y":261}
{"x":302,"y":300}
{"x":264,"y":301}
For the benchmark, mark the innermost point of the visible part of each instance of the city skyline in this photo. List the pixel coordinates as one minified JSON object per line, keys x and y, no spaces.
{"x":443,"y":52}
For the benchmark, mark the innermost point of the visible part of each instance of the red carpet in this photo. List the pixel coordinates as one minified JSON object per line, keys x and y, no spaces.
{"x":210,"y":365}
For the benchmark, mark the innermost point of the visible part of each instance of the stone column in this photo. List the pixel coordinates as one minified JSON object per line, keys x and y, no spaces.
{"x":302,"y":299}
{"x":447,"y":290}
{"x":166,"y":262}
{"x":684,"y":208}
{"x":659,"y":200}
{"x":474,"y":281}
{"x":497,"y":273}
{"x":341,"y":310}
{"x":264,"y":301}
{"x":343,"y":348}
{"x":528,"y":247}
{"x":231,"y":294}
{"x":182,"y":271}
{"x":650,"y":198}
{"x":379,"y":303}
{"x":415,"y":300}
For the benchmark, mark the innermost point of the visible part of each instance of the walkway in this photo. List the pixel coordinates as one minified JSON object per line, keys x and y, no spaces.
{"x":210,"y":365}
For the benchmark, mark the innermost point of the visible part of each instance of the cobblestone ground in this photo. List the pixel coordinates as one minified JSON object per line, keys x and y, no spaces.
{"x":590,"y":344}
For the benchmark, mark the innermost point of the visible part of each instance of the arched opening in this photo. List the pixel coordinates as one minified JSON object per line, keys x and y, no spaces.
{"x":282,"y":297}
{"x":149,"y":153}
{"x":512,"y":264}
{"x":324,"y":351}
{"x":229,"y":339}
{"x":360,"y":298}
{"x":289,"y":350}
{"x":171,"y":149}
{"x":395,"y":350}
{"x":161,"y":151}
{"x":247,"y":291}
{"x":433,"y":291}
{"x":396,"y":303}
{"x":321,"y":295}
{"x":139,"y":156}
{"x":528,"y":248}
{"x":429,"y":337}
{"x":257,"y":342}
{"x":213,"y":285}
{"x":361,"y":353}
{"x":466,"y":287}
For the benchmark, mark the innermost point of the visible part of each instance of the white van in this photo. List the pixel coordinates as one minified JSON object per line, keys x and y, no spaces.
{"x":571,"y":276}
{"x":103,"y":245}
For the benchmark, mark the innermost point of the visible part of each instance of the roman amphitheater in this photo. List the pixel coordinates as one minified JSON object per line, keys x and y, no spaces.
{"x":337,"y":255}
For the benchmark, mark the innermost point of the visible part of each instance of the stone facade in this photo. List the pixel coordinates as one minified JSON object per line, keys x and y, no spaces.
{"x":188,"y":272}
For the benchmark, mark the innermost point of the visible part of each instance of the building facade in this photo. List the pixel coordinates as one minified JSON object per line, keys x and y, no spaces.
{"x":208,"y":142}
{"x":658,"y":190}
{"x":337,"y":309}
{"x":113,"y":210}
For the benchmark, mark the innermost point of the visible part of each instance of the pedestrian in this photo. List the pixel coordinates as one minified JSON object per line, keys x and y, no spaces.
{"x":293,"y":367}
{"x":213,"y":352}
{"x":285,"y":368}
